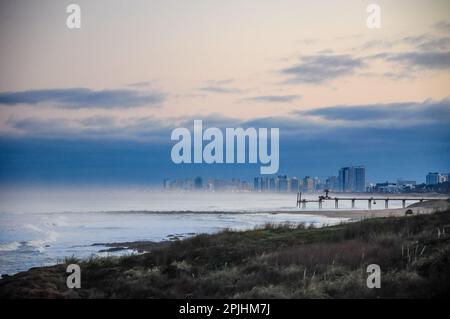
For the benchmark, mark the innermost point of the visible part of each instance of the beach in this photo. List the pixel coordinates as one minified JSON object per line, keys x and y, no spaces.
{"x":273,"y":261}
{"x":55,"y":224}
{"x":416,"y":209}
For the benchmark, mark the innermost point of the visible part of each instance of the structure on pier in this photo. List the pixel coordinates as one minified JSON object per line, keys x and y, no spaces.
{"x":302,"y":202}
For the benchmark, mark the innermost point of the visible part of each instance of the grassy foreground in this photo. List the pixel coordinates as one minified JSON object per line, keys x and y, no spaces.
{"x":272,"y":262}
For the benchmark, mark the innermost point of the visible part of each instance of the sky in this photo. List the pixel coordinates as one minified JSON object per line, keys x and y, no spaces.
{"x":98,"y":104}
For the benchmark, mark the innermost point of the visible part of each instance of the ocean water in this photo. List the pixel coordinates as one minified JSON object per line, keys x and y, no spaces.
{"x":41,"y":227}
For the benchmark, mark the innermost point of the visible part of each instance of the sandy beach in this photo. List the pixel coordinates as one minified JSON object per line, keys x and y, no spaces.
{"x":417,"y":209}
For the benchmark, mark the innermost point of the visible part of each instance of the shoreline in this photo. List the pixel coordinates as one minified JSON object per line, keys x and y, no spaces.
{"x":346,"y":215}
{"x":277,"y":261}
{"x":353,"y":216}
{"x":427,"y":207}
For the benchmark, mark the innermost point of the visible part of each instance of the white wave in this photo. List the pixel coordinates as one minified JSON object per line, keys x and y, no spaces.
{"x":40,"y":244}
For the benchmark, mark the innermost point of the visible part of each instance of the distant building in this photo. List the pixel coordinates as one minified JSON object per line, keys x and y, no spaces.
{"x":272,"y":184}
{"x":343,"y":179}
{"x":294,"y":185}
{"x":198,"y":183}
{"x":433,"y":178}
{"x":331,"y":183}
{"x":406,"y":183}
{"x":257,"y":184}
{"x":282,"y":183}
{"x":359,"y":179}
{"x":187,"y":184}
{"x":166,"y":184}
{"x":308,"y":184}
{"x":386,"y":187}
{"x":246,"y":187}
{"x":352,"y":179}
{"x":264,"y":184}
{"x":318,"y":184}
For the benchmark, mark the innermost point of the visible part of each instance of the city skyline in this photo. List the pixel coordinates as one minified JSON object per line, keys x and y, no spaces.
{"x":349,"y":179}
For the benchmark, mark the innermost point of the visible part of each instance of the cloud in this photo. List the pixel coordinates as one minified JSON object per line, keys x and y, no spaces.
{"x":427,"y":42}
{"x":321,"y":68}
{"x":300,"y":124}
{"x":307,"y":147}
{"x":404,"y":114}
{"x":220,"y":86}
{"x":219,"y":89}
{"x":274,"y":98}
{"x":423,"y":60}
{"x":76,"y":98}
{"x":442,"y":26}
{"x":141,"y":84}
{"x":393,"y":140}
{"x":220,"y":82}
{"x":109,"y":127}
{"x":423,"y":42}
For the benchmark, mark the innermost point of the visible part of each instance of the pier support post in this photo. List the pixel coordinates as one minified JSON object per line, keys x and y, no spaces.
{"x":353,"y":203}
{"x":370,"y":203}
{"x":386,"y":203}
{"x":404,"y":203}
{"x":320,"y":204}
{"x":336,"y":203}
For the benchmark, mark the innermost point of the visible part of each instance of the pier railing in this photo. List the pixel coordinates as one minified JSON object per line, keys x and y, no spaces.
{"x":321,"y":199}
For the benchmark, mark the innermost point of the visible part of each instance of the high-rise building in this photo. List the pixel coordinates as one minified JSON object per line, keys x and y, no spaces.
{"x":433,"y":178}
{"x":272,"y":184}
{"x":198,"y":183}
{"x":294,"y":185}
{"x":257,"y":184}
{"x":332,"y":183}
{"x":282,"y":183}
{"x":436,"y":178}
{"x":308,"y":184}
{"x":359,"y":176}
{"x":343,"y":179}
{"x":264,"y":184}
{"x":352,"y":179}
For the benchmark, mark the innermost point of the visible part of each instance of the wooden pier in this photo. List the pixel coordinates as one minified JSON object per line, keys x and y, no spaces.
{"x":301,"y":203}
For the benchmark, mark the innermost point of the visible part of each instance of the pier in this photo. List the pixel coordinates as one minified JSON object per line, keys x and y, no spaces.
{"x":301,"y":203}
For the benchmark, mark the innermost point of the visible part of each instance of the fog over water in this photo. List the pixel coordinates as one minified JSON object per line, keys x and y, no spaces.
{"x":41,"y":226}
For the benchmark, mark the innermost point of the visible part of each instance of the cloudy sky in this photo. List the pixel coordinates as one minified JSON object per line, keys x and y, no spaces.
{"x":98,"y":104}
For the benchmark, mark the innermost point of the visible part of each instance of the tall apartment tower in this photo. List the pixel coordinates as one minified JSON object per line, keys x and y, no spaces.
{"x":352,"y":179}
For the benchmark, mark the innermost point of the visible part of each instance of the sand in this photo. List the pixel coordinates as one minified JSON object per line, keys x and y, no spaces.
{"x":418,"y":208}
